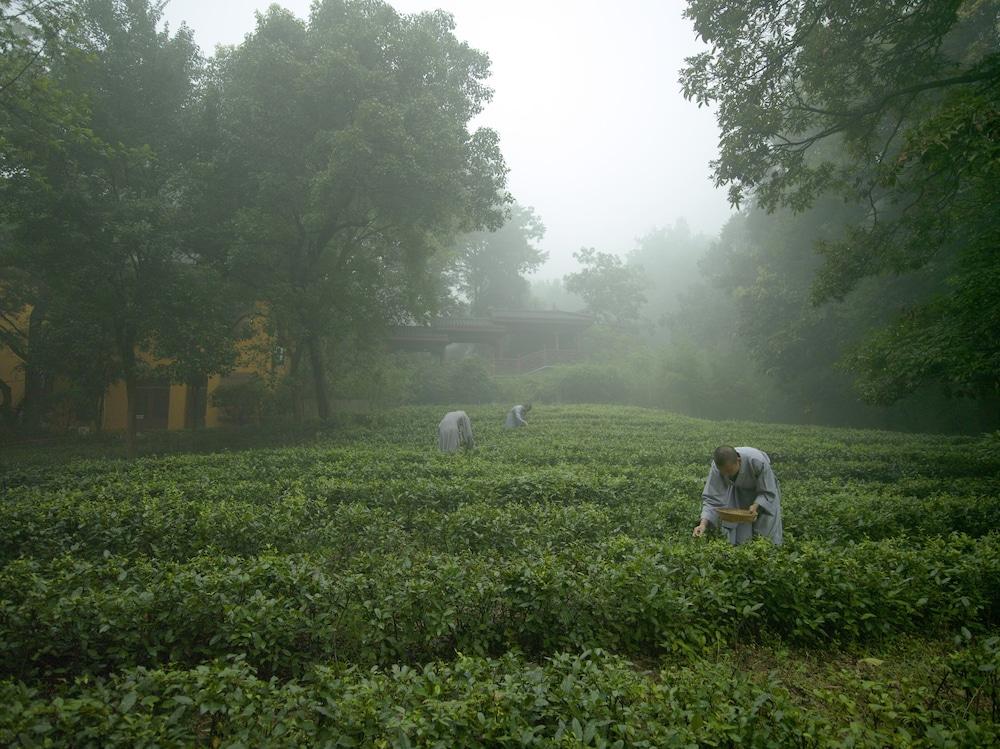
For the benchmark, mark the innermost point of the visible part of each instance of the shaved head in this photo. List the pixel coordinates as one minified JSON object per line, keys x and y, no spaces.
{"x":725,"y":455}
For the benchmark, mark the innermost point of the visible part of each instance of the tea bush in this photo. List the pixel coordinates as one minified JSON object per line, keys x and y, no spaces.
{"x":590,"y":699}
{"x":359,"y":588}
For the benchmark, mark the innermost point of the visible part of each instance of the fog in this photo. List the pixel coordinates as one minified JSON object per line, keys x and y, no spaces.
{"x":437,"y":337}
{"x":312,"y":220}
{"x":594,"y":129}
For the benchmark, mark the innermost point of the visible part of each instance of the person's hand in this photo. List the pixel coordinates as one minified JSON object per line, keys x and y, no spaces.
{"x":753,"y":509}
{"x":699,"y":530}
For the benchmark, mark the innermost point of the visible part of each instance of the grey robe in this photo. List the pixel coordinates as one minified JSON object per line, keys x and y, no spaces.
{"x":454,"y":431}
{"x":754,"y":483}
{"x":515,"y":418}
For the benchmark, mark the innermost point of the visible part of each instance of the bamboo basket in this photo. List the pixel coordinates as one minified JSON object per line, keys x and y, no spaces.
{"x":731,"y":515}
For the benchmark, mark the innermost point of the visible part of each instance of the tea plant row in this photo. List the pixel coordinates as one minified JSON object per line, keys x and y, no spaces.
{"x":285,"y":613}
{"x":588,"y":699}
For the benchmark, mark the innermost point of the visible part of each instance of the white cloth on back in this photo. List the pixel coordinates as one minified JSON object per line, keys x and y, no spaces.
{"x":515,"y":418}
{"x":454,"y":431}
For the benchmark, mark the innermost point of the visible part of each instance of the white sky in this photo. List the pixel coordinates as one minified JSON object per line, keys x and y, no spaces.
{"x":592,"y":124}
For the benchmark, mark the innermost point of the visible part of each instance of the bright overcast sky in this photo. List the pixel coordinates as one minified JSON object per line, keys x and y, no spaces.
{"x":592,"y":124}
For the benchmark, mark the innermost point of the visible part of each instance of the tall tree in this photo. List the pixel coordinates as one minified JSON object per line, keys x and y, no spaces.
{"x":35,"y":114}
{"x":347,"y":142}
{"x":98,"y":218}
{"x":611,"y":289}
{"x":492,"y":265}
{"x":668,"y":258}
{"x":894,"y":106}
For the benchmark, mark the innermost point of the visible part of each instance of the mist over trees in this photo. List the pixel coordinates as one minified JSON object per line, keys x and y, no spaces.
{"x":892,"y":108}
{"x":314,"y":169}
{"x":325,"y":179}
{"x":95,"y":197}
{"x":346,"y":139}
{"x":492,"y":265}
{"x":610,"y":289}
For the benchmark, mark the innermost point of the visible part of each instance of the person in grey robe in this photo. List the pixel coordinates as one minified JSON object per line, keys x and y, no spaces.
{"x":741,"y":478}
{"x":455,"y":431}
{"x":516,"y":417}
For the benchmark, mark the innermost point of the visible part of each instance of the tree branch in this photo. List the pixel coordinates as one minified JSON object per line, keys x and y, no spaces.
{"x":877,"y":105}
{"x":23,"y":70}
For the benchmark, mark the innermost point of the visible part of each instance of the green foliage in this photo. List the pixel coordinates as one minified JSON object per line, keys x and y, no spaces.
{"x":345,"y":157}
{"x":363,"y":588}
{"x":467,"y":380}
{"x":491,"y":265}
{"x":320,"y":166}
{"x":753,"y":327}
{"x":668,"y":260}
{"x":611,"y":290}
{"x":551,"y":294}
{"x":694,"y":374}
{"x":283,"y":613}
{"x":893,"y":107}
{"x":99,"y":205}
{"x":392,"y":380}
{"x":588,"y":699}
{"x":578,"y":383}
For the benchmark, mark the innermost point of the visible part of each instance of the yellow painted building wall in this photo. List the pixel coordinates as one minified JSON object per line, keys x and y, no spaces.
{"x":12,"y":374}
{"x":178,"y":403}
{"x":254,"y":358}
{"x":10,"y":365}
{"x":115,"y":416}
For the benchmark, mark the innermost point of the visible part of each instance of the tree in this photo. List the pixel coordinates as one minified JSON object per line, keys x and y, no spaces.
{"x":893,"y":106}
{"x":492,"y":265}
{"x":668,"y":258}
{"x":345,"y":144}
{"x":754,"y":319}
{"x":98,"y":215}
{"x":611,"y":289}
{"x":34,"y":110}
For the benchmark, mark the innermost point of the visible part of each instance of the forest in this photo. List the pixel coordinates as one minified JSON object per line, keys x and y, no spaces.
{"x":326,"y":179}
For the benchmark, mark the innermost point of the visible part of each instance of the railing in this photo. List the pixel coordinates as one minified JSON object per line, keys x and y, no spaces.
{"x":534,"y":360}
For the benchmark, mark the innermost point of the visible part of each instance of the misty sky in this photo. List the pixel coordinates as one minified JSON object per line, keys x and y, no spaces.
{"x":593,"y":126}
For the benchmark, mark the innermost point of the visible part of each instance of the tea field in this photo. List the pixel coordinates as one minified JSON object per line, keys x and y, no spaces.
{"x":361,"y":589}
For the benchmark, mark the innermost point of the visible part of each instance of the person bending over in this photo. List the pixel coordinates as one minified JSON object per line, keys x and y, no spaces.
{"x":741,"y":478}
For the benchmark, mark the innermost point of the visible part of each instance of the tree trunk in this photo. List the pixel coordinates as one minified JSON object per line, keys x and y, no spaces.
{"x":295,"y":354}
{"x":6,"y":405}
{"x":195,"y":403}
{"x":35,"y":386}
{"x":99,"y":421}
{"x":319,"y":376}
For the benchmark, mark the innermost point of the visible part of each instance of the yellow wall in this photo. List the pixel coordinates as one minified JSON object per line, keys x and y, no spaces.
{"x":115,"y":418}
{"x":254,"y":357}
{"x":10,"y":365}
{"x":116,"y":415}
{"x":178,"y":404}
{"x":12,"y":374}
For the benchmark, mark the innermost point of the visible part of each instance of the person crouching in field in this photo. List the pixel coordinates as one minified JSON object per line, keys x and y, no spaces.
{"x":516,"y":417}
{"x":741,"y":478}
{"x":455,"y":431}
